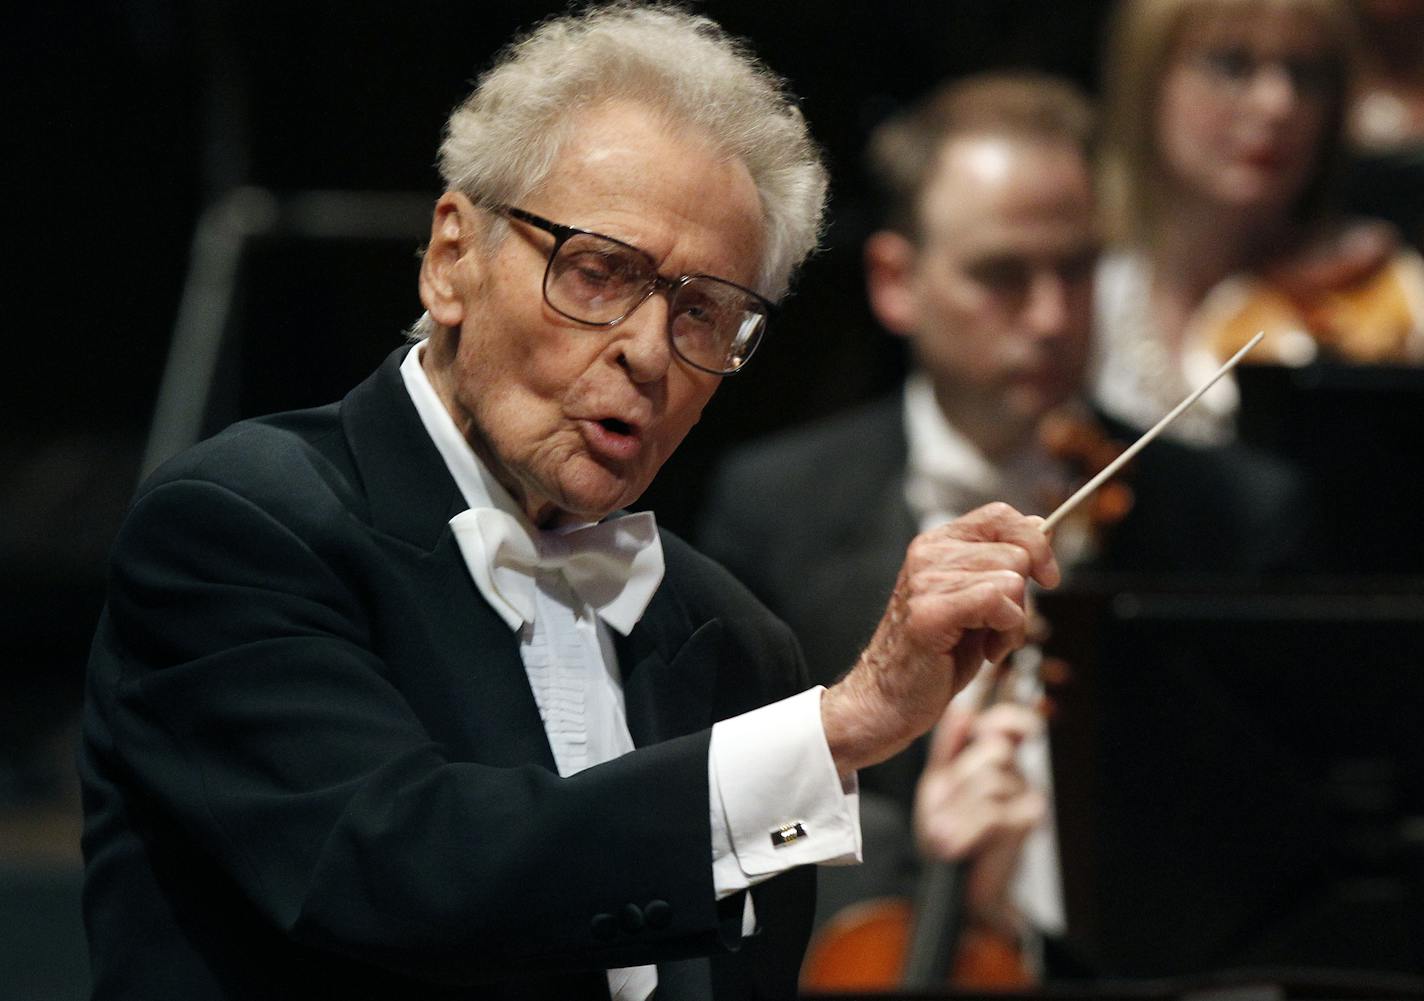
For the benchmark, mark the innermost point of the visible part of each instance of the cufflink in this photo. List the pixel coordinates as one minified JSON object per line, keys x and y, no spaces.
{"x":787,"y":833}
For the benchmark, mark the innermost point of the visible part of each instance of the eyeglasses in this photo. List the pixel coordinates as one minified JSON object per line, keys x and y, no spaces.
{"x":1236,"y":67}
{"x":713,"y":324}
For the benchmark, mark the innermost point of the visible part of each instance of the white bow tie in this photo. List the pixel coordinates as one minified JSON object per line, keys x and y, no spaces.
{"x":615,"y":566}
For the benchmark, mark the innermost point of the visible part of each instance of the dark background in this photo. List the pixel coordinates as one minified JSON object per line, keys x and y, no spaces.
{"x":128,"y":119}
{"x":135,"y":115}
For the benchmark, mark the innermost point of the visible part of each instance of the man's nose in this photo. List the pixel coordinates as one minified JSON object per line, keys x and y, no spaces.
{"x":1048,"y":310}
{"x":642,"y":340}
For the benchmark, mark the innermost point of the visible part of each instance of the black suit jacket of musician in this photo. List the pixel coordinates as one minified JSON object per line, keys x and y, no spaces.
{"x":814,"y":520}
{"x":313,"y":766}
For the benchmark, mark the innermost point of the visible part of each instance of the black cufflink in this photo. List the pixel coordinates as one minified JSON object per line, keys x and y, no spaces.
{"x":605,"y":927}
{"x":787,"y":833}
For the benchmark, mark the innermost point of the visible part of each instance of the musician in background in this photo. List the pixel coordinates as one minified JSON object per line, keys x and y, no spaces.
{"x":985,"y":267}
{"x":1223,"y":138}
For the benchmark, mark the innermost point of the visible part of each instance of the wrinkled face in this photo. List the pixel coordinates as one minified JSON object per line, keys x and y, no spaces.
{"x":1000,"y":288}
{"x":1243,"y":110}
{"x":575,"y":420}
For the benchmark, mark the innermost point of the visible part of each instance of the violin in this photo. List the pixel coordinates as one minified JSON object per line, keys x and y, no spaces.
{"x":1084,"y":445}
{"x":1356,"y":299}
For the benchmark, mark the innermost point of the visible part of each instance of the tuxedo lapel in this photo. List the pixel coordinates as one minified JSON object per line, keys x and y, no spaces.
{"x":669,"y":671}
{"x":476,"y":639}
{"x":411,"y":496}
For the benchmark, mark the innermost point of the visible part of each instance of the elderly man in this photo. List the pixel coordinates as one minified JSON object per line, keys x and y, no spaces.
{"x":388,"y":699}
{"x":985,"y":266}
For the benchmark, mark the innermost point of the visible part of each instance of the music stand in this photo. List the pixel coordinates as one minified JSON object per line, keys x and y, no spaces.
{"x":1240,"y":777}
{"x":1357,"y":432}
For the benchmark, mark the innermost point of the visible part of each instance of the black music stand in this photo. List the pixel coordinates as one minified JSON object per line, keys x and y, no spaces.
{"x":1357,"y":432}
{"x":1240,"y":777}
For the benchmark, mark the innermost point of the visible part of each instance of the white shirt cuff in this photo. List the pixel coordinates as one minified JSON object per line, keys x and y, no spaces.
{"x":776,"y":799}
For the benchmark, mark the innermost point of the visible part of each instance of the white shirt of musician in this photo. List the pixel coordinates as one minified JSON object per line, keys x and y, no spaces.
{"x":946,"y":477}
{"x":776,"y":799}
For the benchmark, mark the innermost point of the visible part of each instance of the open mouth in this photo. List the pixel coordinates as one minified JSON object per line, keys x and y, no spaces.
{"x":613,"y":439}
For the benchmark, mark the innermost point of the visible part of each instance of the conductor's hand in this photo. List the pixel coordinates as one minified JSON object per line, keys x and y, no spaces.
{"x":958,"y":601}
{"x":973,"y":802}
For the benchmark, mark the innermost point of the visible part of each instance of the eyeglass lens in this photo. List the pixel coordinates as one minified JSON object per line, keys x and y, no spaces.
{"x":714,"y":324}
{"x":1237,"y":66}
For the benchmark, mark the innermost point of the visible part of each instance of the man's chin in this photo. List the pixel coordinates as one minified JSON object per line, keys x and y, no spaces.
{"x":1026,"y":406}
{"x":583,"y":501}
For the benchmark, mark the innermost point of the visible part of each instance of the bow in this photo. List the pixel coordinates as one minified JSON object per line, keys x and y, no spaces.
{"x":614,"y":566}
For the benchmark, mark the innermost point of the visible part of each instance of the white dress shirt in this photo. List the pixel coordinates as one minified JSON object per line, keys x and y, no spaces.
{"x":769,"y":770}
{"x":1136,"y":376}
{"x":947,"y":476}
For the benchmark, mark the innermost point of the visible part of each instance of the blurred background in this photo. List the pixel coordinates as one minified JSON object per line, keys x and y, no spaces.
{"x":263,"y":172}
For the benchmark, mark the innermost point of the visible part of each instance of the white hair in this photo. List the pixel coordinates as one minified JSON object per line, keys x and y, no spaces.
{"x":503,"y":140}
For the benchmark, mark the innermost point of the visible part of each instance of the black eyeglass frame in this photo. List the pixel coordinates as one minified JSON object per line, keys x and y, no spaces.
{"x":562,"y":234}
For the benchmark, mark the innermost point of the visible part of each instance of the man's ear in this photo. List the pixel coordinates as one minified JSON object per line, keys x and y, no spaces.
{"x":445,"y":268}
{"x":890,"y":281}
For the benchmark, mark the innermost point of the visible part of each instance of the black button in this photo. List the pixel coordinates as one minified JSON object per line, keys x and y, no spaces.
{"x":631,"y":918}
{"x":605,"y":927}
{"x":658,"y":913}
